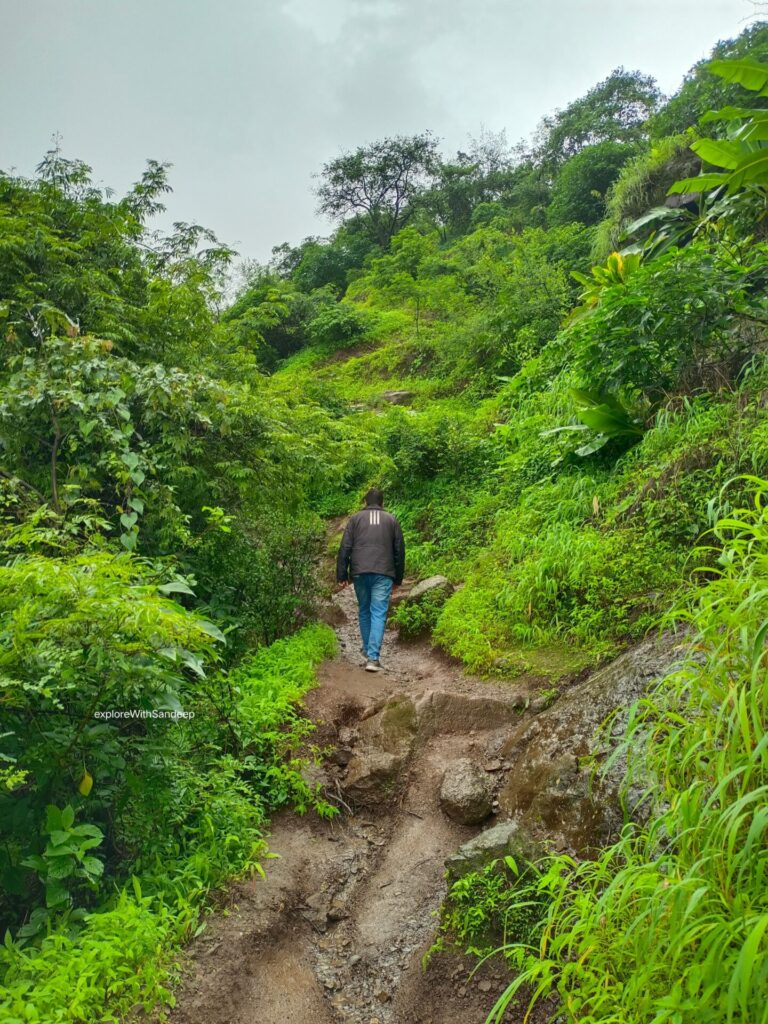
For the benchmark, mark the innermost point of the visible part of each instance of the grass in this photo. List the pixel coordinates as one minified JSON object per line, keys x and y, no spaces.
{"x":670,"y":924}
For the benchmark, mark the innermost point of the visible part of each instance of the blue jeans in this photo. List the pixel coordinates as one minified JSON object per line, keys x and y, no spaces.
{"x":373,"y":593}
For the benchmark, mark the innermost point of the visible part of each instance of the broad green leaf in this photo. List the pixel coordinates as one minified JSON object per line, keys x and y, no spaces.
{"x":55,"y":894}
{"x":720,"y":152}
{"x":701,"y":183}
{"x":175,"y":587}
{"x":749,"y":73}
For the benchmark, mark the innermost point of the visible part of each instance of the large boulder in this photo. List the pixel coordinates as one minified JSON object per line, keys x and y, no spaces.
{"x":427,"y":596}
{"x":550,"y":786}
{"x":466,"y":793}
{"x":385,"y":743}
{"x":446,"y":711}
{"x":506,"y":839}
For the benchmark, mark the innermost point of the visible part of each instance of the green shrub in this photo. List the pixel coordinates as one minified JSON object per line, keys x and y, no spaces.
{"x":671,"y":922}
{"x":340,"y":326}
{"x":192,"y":817}
{"x":483,"y":909}
{"x":580,"y":187}
{"x":418,"y":618}
{"x":680,"y":322}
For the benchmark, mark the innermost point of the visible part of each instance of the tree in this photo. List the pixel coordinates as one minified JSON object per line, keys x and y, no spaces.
{"x":702,"y":91}
{"x":615,"y":110}
{"x":578,"y":193}
{"x":379,"y":182}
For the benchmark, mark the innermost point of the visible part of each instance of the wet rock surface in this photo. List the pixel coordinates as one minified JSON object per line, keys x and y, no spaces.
{"x":466,"y":792}
{"x":550,"y":785}
{"x":507,"y":838}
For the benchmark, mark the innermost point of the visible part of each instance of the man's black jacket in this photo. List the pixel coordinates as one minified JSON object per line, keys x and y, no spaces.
{"x":372,"y":542}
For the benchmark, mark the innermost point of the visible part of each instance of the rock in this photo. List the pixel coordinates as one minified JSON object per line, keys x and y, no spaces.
{"x":386,"y":740}
{"x":332,"y":615}
{"x":466,"y":793}
{"x":337,"y":911}
{"x":435,"y":589}
{"x":484,"y":986}
{"x":443,"y":711}
{"x":431,"y":585}
{"x":549,"y":785}
{"x":382,"y":995}
{"x":507,"y":838}
{"x":397,"y":397}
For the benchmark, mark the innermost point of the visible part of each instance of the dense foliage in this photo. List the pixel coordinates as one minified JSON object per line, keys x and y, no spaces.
{"x":554,"y":436}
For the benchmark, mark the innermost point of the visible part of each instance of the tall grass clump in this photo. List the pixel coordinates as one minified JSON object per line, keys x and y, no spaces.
{"x":670,"y":924}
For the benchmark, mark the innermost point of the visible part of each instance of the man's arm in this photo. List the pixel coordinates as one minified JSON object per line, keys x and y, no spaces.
{"x":398,"y":542}
{"x":345,"y":553}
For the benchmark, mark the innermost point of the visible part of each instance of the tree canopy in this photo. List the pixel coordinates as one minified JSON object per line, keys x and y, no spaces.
{"x":614,"y":110}
{"x":380,"y":182}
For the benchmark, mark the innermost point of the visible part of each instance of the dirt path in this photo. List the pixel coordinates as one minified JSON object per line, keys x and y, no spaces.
{"x":337,"y":931}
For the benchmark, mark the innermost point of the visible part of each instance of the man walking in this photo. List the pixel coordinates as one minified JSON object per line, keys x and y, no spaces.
{"x":372,"y":552}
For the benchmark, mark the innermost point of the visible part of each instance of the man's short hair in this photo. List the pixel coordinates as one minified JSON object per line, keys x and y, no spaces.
{"x":374,"y":496}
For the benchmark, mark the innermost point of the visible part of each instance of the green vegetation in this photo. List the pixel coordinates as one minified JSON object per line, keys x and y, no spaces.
{"x":483,"y":909}
{"x":555,"y":437}
{"x":114,"y":900}
{"x":669,"y":923}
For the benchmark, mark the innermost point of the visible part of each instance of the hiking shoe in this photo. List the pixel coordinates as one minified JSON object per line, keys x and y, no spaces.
{"x":372,"y":666}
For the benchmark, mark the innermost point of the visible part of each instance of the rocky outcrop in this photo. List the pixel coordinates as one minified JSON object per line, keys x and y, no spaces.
{"x":433,"y":586}
{"x":440,"y":711}
{"x":506,"y":839}
{"x":550,"y":787}
{"x":435,"y":590}
{"x":385,"y":743}
{"x":397,"y":397}
{"x":466,"y":793}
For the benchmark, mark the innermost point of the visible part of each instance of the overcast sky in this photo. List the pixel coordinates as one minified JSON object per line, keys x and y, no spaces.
{"x":248,"y":98}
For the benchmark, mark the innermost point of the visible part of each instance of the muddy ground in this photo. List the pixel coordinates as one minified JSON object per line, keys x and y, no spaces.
{"x":338,"y":930}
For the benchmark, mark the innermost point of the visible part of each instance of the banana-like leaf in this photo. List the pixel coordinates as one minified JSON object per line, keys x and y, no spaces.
{"x":593,"y":446}
{"x":720,"y":152}
{"x":605,"y":414}
{"x":753,"y":169}
{"x":661,"y":213}
{"x":701,"y":183}
{"x":734,"y":114}
{"x":756,"y":130}
{"x":750,"y":73}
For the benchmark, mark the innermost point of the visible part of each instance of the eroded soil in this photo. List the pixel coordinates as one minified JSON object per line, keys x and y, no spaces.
{"x":338,"y":930}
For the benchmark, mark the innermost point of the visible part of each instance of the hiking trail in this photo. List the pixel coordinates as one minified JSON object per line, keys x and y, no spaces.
{"x":337,"y":931}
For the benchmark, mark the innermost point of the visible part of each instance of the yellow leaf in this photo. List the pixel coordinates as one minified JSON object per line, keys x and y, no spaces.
{"x":86,"y":783}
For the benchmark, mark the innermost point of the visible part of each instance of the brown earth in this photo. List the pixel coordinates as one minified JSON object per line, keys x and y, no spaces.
{"x":338,"y":930}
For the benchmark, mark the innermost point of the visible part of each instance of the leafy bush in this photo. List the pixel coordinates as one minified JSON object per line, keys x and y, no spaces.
{"x":581,"y":185}
{"x":419,"y":617}
{"x":483,"y":909}
{"x":339,"y":326}
{"x":672,"y":920}
{"x":678,"y":323}
{"x":241,"y":756}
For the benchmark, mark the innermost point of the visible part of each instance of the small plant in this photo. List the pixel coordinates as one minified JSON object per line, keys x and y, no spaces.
{"x":415,"y":619}
{"x":65,"y":865}
{"x":483,"y":909}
